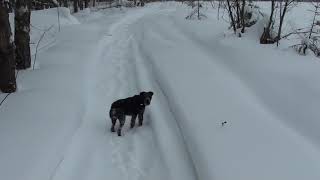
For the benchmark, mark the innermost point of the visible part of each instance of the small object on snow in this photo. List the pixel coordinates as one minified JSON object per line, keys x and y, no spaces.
{"x":223,"y":123}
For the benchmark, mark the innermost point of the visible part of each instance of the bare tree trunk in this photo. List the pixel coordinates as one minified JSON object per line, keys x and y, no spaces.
{"x":282,"y":14}
{"x":94,"y":3}
{"x":231,"y":17}
{"x":316,"y":13}
{"x":81,"y":4}
{"x":11,"y":5}
{"x":86,"y":3}
{"x":238,"y":14}
{"x":75,"y":5}
{"x":271,"y":15}
{"x":242,"y":15}
{"x":266,"y":35}
{"x":199,"y":9}
{"x":22,"y":33}
{"x":65,"y":3}
{"x":7,"y":62}
{"x":219,"y":5}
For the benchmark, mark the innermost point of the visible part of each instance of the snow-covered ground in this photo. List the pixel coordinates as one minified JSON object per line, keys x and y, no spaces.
{"x":56,"y":126}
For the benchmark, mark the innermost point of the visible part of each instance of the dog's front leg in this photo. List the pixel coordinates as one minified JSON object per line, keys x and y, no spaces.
{"x":133,"y":120}
{"x":140,"y":117}
{"x":122,"y":120}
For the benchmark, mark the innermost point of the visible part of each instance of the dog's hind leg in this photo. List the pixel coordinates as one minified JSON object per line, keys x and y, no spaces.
{"x":122,"y":120}
{"x":114,"y":121}
{"x":133,"y":120}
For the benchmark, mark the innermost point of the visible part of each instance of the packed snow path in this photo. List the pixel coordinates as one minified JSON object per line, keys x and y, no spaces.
{"x":65,"y":132}
{"x":95,"y":152}
{"x":201,"y":77}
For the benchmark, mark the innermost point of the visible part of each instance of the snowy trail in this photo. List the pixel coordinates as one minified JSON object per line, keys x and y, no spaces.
{"x":95,"y":152}
{"x":193,"y":68}
{"x":63,"y":129}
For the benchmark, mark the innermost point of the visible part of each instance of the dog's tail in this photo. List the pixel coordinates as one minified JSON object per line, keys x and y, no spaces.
{"x":113,"y":113}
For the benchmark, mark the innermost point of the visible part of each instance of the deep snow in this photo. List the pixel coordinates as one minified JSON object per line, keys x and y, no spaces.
{"x":57,"y":127}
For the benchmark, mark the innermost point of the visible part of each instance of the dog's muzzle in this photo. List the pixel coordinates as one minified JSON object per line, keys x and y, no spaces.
{"x":147,"y":101}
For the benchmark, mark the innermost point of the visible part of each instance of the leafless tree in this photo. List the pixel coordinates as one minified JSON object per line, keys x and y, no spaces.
{"x":242,"y":15}
{"x":81,"y":4}
{"x":65,"y":3}
{"x":236,"y":11}
{"x":310,"y":38}
{"x":196,"y":12}
{"x":7,"y":62}
{"x":266,"y":37}
{"x":233,"y":23}
{"x":75,"y":5}
{"x":22,"y":33}
{"x":284,"y":5}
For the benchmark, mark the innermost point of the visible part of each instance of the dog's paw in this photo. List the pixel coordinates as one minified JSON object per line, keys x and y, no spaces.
{"x":112,"y":130}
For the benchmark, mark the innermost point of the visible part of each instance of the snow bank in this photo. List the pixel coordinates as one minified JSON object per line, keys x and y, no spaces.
{"x":50,"y":16}
{"x":267,"y":97}
{"x":38,"y":121}
{"x":46,"y":20}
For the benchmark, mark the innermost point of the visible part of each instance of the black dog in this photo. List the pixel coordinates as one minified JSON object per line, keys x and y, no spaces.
{"x":132,"y":106}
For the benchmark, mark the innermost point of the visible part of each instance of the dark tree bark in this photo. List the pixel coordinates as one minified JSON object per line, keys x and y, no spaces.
{"x":81,"y":4}
{"x":86,"y":3}
{"x":238,"y":14}
{"x":7,"y":62}
{"x":11,"y":5}
{"x":65,"y":3}
{"x":242,"y":16}
{"x":22,"y":33}
{"x":94,"y":3}
{"x":266,"y":35}
{"x":75,"y":5}
{"x":198,"y":9}
{"x":7,"y":6}
{"x":282,"y":14}
{"x":231,"y":16}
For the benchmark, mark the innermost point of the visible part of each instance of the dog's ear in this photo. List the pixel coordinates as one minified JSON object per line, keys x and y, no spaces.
{"x":151,"y":93}
{"x":142,"y":93}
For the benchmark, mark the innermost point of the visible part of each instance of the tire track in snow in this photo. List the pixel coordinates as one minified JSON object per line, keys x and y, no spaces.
{"x":95,"y":152}
{"x":147,"y":77}
{"x":123,"y":153}
{"x":122,"y":150}
{"x":82,"y":154}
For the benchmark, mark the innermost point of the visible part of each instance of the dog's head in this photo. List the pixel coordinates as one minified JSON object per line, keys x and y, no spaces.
{"x":147,"y":96}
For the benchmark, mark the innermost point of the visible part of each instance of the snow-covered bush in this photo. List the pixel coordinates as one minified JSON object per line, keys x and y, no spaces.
{"x":241,"y":14}
{"x":196,"y":14}
{"x":126,"y":3}
{"x":312,"y":43}
{"x":311,"y":37}
{"x":251,"y":15}
{"x":191,"y":4}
